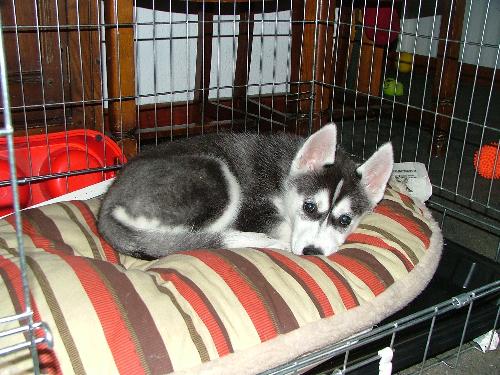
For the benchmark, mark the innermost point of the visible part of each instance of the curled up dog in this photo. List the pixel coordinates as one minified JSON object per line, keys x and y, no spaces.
{"x":242,"y":190}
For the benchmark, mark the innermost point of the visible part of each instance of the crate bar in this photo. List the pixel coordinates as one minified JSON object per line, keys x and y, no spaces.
{"x":27,"y":180}
{"x":383,"y":331}
{"x":472,"y":95}
{"x":27,"y":344}
{"x":19,"y":236}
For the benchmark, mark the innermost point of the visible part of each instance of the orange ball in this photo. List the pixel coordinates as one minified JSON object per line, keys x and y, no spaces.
{"x":487,"y":161}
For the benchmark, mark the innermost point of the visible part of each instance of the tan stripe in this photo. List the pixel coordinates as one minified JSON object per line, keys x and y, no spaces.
{"x":389,"y":193}
{"x":397,"y":230}
{"x":278,"y":310}
{"x":9,"y":306}
{"x":137,"y":317}
{"x":83,"y":230}
{"x":387,"y":235}
{"x":397,"y":198}
{"x":238,"y":324}
{"x":389,"y":261}
{"x":342,"y":280}
{"x":75,"y":305}
{"x":302,"y":282}
{"x":123,"y":312}
{"x":416,"y":217}
{"x":70,"y":229}
{"x":12,"y":251}
{"x":361,"y":292}
{"x":12,"y":295}
{"x":8,"y":236}
{"x":323,"y":281}
{"x":58,"y":316}
{"x":191,"y":328}
{"x":177,"y":318}
{"x":370,"y":262}
{"x":46,"y":228}
{"x":299,"y":302}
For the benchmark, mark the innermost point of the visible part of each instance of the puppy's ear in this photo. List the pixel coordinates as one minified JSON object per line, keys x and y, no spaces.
{"x":375,"y":173}
{"x":317,"y":151}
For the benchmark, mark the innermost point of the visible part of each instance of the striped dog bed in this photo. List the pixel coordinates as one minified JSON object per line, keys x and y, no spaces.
{"x":211,"y":311}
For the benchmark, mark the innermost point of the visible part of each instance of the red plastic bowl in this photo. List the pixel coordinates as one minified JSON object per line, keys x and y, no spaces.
{"x":6,"y":199}
{"x":43,"y":155}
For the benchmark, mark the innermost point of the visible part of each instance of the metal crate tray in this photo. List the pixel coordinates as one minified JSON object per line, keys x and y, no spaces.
{"x":460,"y":271}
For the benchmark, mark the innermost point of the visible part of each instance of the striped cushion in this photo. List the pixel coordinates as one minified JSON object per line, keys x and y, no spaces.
{"x":206,"y":310}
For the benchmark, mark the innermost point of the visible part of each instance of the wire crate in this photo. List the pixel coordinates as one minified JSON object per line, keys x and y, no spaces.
{"x":420,"y":74}
{"x":35,"y":332}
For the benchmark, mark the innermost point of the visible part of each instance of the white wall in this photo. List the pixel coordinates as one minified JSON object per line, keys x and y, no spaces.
{"x":487,"y":55}
{"x":478,"y":17}
{"x":173,"y":62}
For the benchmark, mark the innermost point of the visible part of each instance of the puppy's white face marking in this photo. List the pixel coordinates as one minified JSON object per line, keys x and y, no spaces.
{"x":326,"y":230}
{"x":337,"y":191}
{"x":322,"y":200}
{"x":342,"y":208}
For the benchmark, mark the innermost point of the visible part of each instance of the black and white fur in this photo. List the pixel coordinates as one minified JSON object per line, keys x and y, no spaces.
{"x":242,"y":190}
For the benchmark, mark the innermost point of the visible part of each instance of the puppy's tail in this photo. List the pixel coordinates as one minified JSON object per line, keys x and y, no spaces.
{"x":152,"y":244}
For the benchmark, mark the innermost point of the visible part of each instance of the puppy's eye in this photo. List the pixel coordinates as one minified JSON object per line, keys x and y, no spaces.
{"x":344,"y":220}
{"x":310,"y":207}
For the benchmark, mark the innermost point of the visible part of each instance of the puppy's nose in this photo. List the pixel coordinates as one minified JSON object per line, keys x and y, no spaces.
{"x":312,"y":250}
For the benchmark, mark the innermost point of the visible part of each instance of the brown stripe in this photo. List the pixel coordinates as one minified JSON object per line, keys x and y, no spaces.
{"x":85,"y":209}
{"x":342,"y":279}
{"x":197,"y":340}
{"x":147,"y":339}
{"x":8,"y":282}
{"x":398,"y":208}
{"x":371,"y":262}
{"x":90,"y":240}
{"x":93,"y":205}
{"x":12,"y":251}
{"x":58,"y":315}
{"x":280,"y":312}
{"x":47,"y":229}
{"x":401,"y":200}
{"x":13,"y":296}
{"x":389,"y":191}
{"x":409,"y":252}
{"x":298,"y":279}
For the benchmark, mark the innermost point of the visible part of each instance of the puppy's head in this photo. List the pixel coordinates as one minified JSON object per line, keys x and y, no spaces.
{"x":328,"y":194}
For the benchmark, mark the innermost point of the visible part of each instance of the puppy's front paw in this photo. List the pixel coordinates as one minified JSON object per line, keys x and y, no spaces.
{"x":252,"y":239}
{"x":277,"y":244}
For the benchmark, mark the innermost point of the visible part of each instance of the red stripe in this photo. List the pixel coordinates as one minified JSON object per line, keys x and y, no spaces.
{"x":109,"y":253}
{"x":362,"y":272}
{"x":300,"y":274}
{"x":378,"y":242}
{"x":246,"y":295}
{"x":47,"y":358}
{"x":117,"y":335}
{"x":115,"y":330}
{"x":409,"y":224}
{"x":348,"y":299}
{"x":39,"y":241}
{"x":199,"y":306}
{"x":406,"y":199}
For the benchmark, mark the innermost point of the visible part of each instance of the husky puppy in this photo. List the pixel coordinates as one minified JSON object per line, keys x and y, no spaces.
{"x":242,"y":190}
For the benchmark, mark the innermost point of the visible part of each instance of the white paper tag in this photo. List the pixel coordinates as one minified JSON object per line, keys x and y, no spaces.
{"x":414,"y":177}
{"x":385,"y":364}
{"x":488,"y":341}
